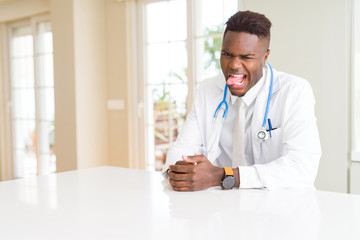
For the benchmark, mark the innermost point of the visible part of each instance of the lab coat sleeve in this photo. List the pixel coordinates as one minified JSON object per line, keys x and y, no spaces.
{"x":300,"y":147}
{"x":189,"y":141}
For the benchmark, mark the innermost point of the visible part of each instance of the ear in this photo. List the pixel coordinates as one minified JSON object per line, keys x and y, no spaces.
{"x":266,"y":56}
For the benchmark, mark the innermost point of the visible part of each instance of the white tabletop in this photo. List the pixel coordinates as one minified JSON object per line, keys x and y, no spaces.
{"x":117,"y":203}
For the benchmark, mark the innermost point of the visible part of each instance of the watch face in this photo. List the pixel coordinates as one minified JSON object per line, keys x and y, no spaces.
{"x":228,"y":182}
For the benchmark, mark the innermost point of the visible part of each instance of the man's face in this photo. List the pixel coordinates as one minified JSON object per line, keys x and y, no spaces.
{"x":243,"y":56}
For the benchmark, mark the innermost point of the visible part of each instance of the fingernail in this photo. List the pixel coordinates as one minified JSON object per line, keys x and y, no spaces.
{"x":184,"y":157}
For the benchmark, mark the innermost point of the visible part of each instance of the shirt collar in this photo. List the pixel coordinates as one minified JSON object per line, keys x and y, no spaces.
{"x":253,"y":92}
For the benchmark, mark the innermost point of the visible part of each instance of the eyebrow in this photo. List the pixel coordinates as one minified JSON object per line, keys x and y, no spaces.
{"x":240,"y":55}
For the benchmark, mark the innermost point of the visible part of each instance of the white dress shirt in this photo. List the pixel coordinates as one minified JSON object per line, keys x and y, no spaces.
{"x":248,"y":176}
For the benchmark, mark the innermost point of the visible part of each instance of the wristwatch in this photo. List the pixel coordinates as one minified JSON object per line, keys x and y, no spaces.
{"x":229,"y":180}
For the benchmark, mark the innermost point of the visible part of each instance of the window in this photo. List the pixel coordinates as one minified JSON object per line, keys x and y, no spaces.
{"x":181,"y":48}
{"x":356,"y":83}
{"x":31,"y":88}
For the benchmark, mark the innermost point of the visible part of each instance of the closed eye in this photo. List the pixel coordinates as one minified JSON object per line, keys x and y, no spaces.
{"x":226,"y":54}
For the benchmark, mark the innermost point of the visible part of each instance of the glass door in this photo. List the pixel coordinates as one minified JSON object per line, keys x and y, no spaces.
{"x":32,"y":98}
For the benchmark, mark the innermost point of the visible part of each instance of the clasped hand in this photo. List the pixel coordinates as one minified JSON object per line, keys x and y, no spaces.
{"x":194,"y":173}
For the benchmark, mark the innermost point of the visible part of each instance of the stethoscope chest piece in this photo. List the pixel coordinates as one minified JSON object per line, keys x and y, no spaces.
{"x":262,"y":135}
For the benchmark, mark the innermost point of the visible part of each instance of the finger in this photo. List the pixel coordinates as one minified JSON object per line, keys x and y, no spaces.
{"x":179,"y":183}
{"x":181,"y":163}
{"x":195,"y":159}
{"x":182,"y":189}
{"x":181,"y":176}
{"x":181,"y":168}
{"x":188,"y":160}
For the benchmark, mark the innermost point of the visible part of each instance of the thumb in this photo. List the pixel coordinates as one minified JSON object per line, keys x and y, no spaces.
{"x":188,"y":160}
{"x":197,"y":158}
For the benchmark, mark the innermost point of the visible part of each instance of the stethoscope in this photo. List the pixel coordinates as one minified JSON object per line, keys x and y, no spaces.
{"x":262,"y":135}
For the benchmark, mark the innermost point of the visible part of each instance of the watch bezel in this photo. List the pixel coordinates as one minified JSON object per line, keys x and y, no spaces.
{"x":228,"y":182}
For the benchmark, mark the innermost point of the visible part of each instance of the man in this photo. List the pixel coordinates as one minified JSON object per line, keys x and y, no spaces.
{"x":232,"y":155}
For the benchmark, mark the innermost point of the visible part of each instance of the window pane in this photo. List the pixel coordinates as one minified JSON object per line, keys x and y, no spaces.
{"x":46,"y":104}
{"x":212,"y":14}
{"x":166,"y":112}
{"x":21,"y":42}
{"x":207,"y":57}
{"x":209,"y":14}
{"x":164,"y":136}
{"x":166,"y":21}
{"x":178,"y":95}
{"x":47,"y":158}
{"x":25,"y":134}
{"x":157,"y":70}
{"x":25,"y":163}
{"x":230,"y":8}
{"x":156,"y":24}
{"x":177,"y":20}
{"x":22,"y":72}
{"x":169,"y":102}
{"x":47,"y":163}
{"x":165,"y":103}
{"x":46,"y":136}
{"x":178,"y":62}
{"x":166,"y":63}
{"x":45,"y":70}
{"x":44,"y":42}
{"x":24,"y":103}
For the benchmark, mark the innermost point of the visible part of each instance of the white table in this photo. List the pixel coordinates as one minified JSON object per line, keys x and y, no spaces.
{"x":117,"y":203}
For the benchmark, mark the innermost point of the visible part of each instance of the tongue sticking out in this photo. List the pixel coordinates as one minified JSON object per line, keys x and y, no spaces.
{"x":236,"y":81}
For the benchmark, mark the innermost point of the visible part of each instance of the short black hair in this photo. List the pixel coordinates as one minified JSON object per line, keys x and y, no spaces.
{"x":249,"y":22}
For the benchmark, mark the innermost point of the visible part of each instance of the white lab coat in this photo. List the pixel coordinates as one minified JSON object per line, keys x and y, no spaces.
{"x":289,"y":159}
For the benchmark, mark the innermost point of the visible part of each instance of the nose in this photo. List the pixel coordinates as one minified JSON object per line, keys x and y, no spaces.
{"x":235,"y":63}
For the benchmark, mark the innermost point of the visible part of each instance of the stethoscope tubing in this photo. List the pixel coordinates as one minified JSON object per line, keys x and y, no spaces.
{"x":269,"y":96}
{"x":227,"y":107}
{"x":223,"y":102}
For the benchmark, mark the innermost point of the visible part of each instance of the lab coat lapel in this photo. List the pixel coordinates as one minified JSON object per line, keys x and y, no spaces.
{"x":257,"y":120}
{"x":214,"y":104}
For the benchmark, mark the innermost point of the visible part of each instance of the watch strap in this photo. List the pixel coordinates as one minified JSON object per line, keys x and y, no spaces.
{"x":228,"y":171}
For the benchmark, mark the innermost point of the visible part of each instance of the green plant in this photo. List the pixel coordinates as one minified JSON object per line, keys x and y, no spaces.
{"x":213,"y":46}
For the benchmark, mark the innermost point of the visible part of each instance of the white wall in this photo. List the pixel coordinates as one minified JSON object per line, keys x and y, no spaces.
{"x":117,"y":86}
{"x":310,"y":39}
{"x":62,"y":21}
{"x":80,"y":83}
{"x":12,"y":10}
{"x":91,"y":82}
{"x":355,"y":178}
